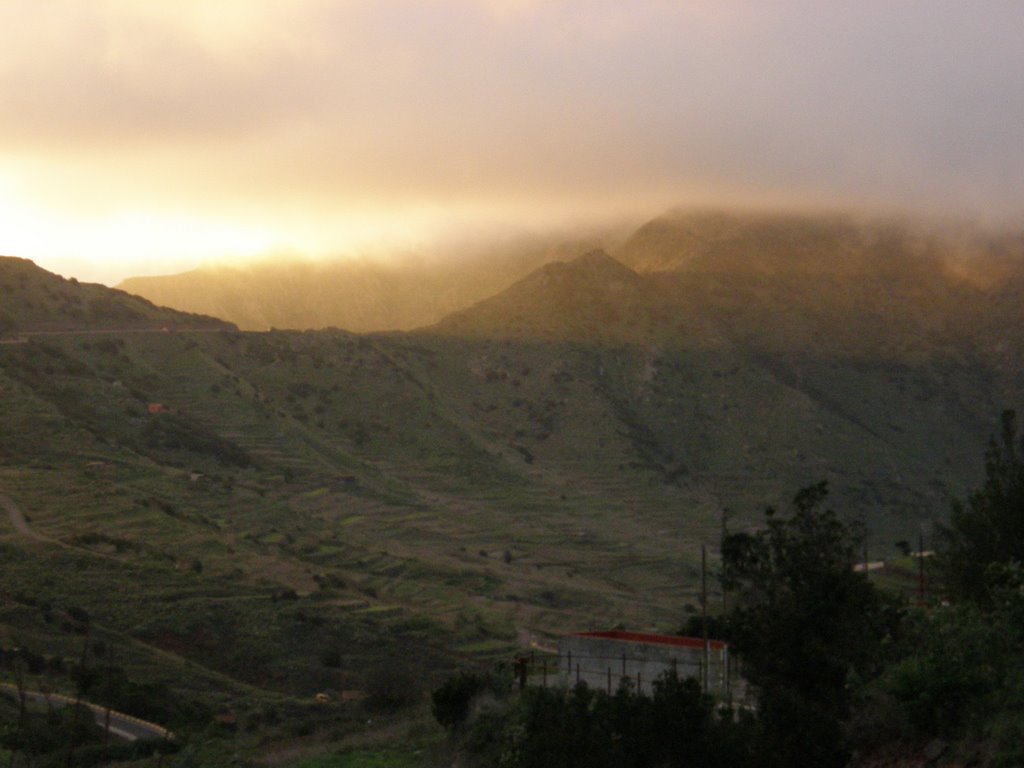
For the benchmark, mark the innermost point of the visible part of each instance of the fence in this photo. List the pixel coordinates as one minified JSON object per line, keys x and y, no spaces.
{"x":607,"y":660}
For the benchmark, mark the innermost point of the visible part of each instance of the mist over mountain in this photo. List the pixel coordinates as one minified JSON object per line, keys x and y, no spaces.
{"x":853,"y":341}
{"x":586,"y":298}
{"x":783,"y":280}
{"x":906,"y":334}
{"x":836,"y":243}
{"x":453,"y":384}
{"x":786,"y":284}
{"x":397,"y":292}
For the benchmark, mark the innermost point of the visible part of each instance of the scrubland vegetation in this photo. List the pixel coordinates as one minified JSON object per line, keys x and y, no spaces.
{"x":279,"y":544}
{"x":839,"y":669}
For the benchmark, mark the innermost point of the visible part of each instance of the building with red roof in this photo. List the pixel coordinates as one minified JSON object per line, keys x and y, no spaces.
{"x":606,"y":660}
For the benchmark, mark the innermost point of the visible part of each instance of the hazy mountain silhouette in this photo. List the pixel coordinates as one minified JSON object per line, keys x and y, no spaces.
{"x":853,"y":339}
{"x":361,"y":295}
{"x":772,"y":281}
{"x":776,"y":243}
{"x":35,"y":300}
{"x":781,"y":284}
{"x":591,"y":297}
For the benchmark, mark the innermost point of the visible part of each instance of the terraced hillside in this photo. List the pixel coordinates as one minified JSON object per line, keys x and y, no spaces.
{"x":297,"y":511}
{"x":249,"y":518}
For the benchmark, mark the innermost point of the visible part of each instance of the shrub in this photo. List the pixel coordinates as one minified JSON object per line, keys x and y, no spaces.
{"x":392,"y":686}
{"x":451,"y":702}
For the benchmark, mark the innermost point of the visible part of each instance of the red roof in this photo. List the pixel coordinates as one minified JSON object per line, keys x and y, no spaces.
{"x":644,"y":637}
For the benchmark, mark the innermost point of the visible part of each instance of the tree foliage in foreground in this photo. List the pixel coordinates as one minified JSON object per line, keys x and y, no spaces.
{"x":805,"y":622}
{"x":989,"y":528}
{"x":834,"y":665}
{"x":676,"y":727}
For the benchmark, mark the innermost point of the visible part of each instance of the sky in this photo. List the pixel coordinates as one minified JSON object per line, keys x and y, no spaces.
{"x":143,"y":137}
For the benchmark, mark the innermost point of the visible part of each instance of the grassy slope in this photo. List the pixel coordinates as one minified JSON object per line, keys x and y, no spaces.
{"x":565,"y":455}
{"x":315,"y":497}
{"x":33,"y":301}
{"x":409,"y":555}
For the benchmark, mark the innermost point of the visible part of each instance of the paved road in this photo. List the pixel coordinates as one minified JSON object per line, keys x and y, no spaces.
{"x":121,"y":725}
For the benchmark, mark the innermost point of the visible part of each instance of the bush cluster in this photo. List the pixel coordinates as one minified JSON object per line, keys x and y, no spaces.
{"x":836,"y":667}
{"x":677,"y":726}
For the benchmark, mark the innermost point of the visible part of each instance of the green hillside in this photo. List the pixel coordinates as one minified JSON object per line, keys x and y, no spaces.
{"x":251,"y":518}
{"x":303,"y":511}
{"x":35,"y":301}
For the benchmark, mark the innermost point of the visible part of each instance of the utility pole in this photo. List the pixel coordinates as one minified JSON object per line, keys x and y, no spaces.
{"x":920,"y":566}
{"x":721,"y":549}
{"x":110,"y":675}
{"x":80,"y":687}
{"x":704,"y":612}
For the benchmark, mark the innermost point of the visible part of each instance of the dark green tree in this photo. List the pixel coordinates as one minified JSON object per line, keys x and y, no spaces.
{"x":450,"y":704}
{"x":803,"y":623}
{"x":989,"y":528}
{"x":677,"y":726}
{"x":959,"y":674}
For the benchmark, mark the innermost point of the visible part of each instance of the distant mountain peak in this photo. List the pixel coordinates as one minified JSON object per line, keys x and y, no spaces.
{"x":598,"y":258}
{"x":367,"y":292}
{"x":587,"y":297}
{"x":594,"y":266}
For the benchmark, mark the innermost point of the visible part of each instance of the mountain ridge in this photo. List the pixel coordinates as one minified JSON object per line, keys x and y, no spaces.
{"x":581,"y":298}
{"x":360,"y":294}
{"x":37,"y":301}
{"x":759,"y":253}
{"x":893,"y":295}
{"x":285,"y":512}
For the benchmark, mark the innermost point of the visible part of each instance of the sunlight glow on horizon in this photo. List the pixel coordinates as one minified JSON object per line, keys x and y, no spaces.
{"x":113,"y":247}
{"x":143,"y":138}
{"x":110,"y":248}
{"x":138,"y":244}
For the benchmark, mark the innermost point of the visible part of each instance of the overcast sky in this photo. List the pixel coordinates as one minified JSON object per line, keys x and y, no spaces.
{"x":140,"y":137}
